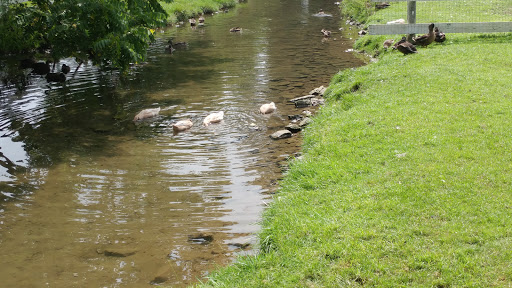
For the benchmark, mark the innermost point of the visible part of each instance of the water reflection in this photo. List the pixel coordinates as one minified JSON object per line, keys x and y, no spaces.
{"x":90,"y":197}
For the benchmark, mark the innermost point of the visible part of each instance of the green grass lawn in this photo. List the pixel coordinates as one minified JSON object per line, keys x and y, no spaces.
{"x":405,"y":180}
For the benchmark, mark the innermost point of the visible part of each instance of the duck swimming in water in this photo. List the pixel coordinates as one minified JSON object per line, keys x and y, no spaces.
{"x":182,"y":125}
{"x":427,"y":39}
{"x":213,"y":118}
{"x":65,"y":69}
{"x":147,"y":113}
{"x":235,"y":29}
{"x":268,"y":108}
{"x":326,"y":33}
{"x":56,"y":77}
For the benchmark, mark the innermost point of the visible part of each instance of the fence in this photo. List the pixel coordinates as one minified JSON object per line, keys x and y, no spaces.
{"x":457,"y":16}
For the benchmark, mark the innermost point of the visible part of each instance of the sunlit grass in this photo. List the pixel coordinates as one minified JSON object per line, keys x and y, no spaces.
{"x":448,"y":11}
{"x":405,"y":181}
{"x":181,"y":10}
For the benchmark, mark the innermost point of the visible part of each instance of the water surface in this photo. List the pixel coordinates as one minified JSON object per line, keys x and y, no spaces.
{"x":91,"y":199}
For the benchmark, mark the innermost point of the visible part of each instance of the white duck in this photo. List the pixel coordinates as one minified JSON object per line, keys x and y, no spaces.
{"x":147,"y":113}
{"x":213,"y":118}
{"x":268,"y":108}
{"x":182,"y":125}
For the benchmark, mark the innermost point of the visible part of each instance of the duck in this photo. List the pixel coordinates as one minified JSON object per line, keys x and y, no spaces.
{"x":41,"y":68}
{"x":326,"y":33}
{"x":382,"y":5}
{"x":56,"y":77}
{"x":440,"y":37}
{"x":178,"y":45}
{"x":387,"y":43}
{"x":235,"y":29}
{"x":192,"y":21}
{"x":213,"y":118}
{"x":268,"y":108}
{"x":201,"y":20}
{"x":182,"y":125}
{"x":65,"y":69}
{"x":147,"y":113}
{"x":404,"y":39}
{"x":27,"y":63}
{"x":406,"y":47}
{"x":427,"y":39}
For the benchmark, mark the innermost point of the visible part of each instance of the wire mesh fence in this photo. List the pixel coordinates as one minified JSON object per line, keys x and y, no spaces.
{"x":456,"y":16}
{"x":462,"y":11}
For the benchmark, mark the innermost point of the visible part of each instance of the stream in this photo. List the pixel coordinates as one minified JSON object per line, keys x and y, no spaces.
{"x":90,"y":198}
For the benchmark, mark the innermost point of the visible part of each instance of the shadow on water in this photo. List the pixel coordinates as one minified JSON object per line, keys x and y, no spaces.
{"x":88,"y":197}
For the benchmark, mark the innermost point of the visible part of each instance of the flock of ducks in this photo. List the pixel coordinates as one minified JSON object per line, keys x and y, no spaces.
{"x":186,"y":124}
{"x":406,"y":47}
{"x":43,"y":68}
{"x":173,"y":46}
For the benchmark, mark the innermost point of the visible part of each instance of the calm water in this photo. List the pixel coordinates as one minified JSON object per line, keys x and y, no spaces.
{"x":90,"y":199}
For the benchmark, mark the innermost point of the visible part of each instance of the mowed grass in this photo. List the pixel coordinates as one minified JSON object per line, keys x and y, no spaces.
{"x":181,"y":10}
{"x":405,"y":180}
{"x":447,"y":11}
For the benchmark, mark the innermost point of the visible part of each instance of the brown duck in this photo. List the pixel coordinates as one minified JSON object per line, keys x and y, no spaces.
{"x":326,"y":33}
{"x":387,"y":43}
{"x":440,"y":37}
{"x":400,"y":42}
{"x":405,"y":47}
{"x":427,"y":39}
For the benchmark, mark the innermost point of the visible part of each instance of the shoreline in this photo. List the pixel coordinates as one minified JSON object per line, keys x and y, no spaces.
{"x":403,"y":180}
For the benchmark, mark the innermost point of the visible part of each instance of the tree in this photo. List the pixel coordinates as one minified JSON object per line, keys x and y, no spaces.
{"x":109,"y":32}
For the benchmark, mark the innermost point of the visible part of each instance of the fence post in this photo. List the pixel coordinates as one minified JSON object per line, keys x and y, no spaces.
{"x":411,"y":17}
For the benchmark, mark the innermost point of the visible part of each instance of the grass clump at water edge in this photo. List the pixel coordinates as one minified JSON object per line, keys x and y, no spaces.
{"x":405,"y":180}
{"x":181,"y":10}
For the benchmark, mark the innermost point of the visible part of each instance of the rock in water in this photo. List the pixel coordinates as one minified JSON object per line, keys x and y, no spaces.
{"x":305,"y":122}
{"x":281,"y":134}
{"x":294,"y":128}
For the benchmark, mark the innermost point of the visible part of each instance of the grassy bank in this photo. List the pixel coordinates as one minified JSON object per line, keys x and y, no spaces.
{"x":405,"y":180}
{"x":181,"y":10}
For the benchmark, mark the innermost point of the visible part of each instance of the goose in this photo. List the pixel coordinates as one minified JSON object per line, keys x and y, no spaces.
{"x":440,"y":37}
{"x":213,"y":118}
{"x":182,"y":125}
{"x":147,"y":113}
{"x":427,"y":39}
{"x":268,"y":108}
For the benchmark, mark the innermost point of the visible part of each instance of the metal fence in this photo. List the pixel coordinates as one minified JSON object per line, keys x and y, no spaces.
{"x":451,"y":16}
